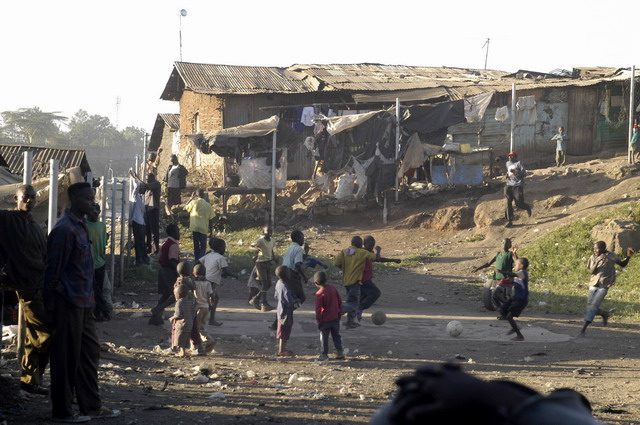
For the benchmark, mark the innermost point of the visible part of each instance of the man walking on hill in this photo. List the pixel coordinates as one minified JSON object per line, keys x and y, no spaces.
{"x":514,"y":189}
{"x":602,"y":265}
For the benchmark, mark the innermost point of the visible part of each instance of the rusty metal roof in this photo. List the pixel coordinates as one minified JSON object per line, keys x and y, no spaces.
{"x":232,"y":79}
{"x":368,"y":81}
{"x":170,"y":120}
{"x":13,"y":155}
{"x":378,"y":77}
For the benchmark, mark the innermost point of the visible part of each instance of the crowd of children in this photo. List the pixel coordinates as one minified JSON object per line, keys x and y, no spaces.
{"x":193,"y":288}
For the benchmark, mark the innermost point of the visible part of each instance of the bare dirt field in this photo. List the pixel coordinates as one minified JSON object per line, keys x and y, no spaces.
{"x":246,"y":384}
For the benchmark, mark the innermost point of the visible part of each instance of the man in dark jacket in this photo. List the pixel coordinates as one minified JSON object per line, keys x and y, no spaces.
{"x":23,"y":252}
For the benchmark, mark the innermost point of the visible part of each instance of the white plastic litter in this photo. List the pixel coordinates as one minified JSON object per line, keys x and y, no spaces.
{"x":218,"y":396}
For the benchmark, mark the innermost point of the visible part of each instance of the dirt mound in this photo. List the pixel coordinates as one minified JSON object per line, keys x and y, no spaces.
{"x":557,"y":201}
{"x":450,"y":218}
{"x":618,"y":235}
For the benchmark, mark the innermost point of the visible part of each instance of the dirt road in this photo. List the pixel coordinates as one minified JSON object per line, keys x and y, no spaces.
{"x":246,"y":384}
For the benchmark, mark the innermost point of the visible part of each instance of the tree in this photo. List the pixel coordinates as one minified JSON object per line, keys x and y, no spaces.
{"x":32,"y":124}
{"x":134,"y":136}
{"x":92,"y":130}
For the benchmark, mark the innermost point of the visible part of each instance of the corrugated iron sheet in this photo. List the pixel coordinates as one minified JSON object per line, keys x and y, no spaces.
{"x":68,"y":158}
{"x":230,"y":79}
{"x":170,"y":120}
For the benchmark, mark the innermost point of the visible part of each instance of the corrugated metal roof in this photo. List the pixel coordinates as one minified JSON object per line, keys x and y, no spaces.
{"x":378,"y":77}
{"x":13,"y":155}
{"x":170,"y":120}
{"x":232,"y":79}
{"x":365,"y":79}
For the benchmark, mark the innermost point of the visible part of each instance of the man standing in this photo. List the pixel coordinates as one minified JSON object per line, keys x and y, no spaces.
{"x":151,"y":189}
{"x":200,"y":215}
{"x":561,"y":140}
{"x":98,"y":237}
{"x":23,"y":255}
{"x":136,"y":220}
{"x":603,"y":276}
{"x":176,"y":180}
{"x":69,"y":298}
{"x":513,"y":191}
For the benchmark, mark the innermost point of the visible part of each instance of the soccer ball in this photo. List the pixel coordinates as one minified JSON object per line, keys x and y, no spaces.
{"x":378,"y":318}
{"x":454,"y":328}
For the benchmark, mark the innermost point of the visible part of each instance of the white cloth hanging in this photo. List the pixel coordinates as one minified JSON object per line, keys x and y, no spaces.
{"x":476,"y":106}
{"x":308,"y":114}
{"x":526,"y":110}
{"x":502,"y":113}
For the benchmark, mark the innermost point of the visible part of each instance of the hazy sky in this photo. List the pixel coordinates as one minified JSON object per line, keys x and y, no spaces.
{"x":67,"y":55}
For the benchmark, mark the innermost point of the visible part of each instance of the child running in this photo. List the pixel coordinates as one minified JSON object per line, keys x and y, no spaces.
{"x":328,"y":311}
{"x":204,"y":298}
{"x":516,"y":304}
{"x":369,"y":292}
{"x":167,"y":275}
{"x":285,"y":307}
{"x":264,"y":246}
{"x":351,"y":261}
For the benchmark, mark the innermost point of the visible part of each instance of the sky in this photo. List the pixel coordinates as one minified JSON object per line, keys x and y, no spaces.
{"x":64,"y":55}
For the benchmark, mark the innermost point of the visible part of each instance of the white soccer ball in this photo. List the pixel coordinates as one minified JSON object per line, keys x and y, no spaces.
{"x":454,"y":328}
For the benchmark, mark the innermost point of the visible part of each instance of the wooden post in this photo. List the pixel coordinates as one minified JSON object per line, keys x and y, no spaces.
{"x":27,"y":177}
{"x":273,"y":180}
{"x":632,"y":86}
{"x":112,"y":272}
{"x":397,"y":146}
{"x":513,"y":117}
{"x":122,"y":224}
{"x":103,"y":199}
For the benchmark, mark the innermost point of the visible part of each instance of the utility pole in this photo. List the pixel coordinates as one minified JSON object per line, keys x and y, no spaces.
{"x":486,"y":57}
{"x":117,"y":112}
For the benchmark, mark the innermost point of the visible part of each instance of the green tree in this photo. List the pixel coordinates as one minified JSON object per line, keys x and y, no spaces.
{"x":92,"y":130}
{"x":134,"y":136}
{"x":32,"y":124}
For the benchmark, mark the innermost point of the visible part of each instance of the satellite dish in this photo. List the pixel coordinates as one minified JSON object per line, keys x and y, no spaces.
{"x":183,"y":12}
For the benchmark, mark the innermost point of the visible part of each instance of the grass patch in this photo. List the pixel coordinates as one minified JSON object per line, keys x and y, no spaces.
{"x":559,"y":276}
{"x":475,"y":238}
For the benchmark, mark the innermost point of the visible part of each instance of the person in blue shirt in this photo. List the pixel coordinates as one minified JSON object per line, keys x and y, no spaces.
{"x":520,"y":299}
{"x":69,"y":299}
{"x":561,"y":140}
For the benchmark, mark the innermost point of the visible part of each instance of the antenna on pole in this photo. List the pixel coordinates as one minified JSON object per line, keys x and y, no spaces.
{"x":183,"y":12}
{"x":117,"y":112}
{"x":486,"y":57}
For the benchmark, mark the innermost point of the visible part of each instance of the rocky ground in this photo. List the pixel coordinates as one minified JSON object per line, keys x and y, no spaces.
{"x":244,"y":383}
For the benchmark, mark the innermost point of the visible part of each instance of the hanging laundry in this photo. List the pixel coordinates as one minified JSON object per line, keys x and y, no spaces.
{"x":502,"y":113}
{"x":476,"y":106}
{"x":526,"y":110}
{"x":413,"y":156}
{"x":308,"y":114}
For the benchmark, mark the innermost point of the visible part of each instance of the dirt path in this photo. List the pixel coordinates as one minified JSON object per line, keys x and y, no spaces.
{"x":247,"y":384}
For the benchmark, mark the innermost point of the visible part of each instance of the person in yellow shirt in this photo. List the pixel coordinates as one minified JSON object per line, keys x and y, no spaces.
{"x":352,"y":261}
{"x":200,"y":214}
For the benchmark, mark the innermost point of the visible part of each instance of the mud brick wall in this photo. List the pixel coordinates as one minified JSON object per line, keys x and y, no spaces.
{"x":200,"y":113}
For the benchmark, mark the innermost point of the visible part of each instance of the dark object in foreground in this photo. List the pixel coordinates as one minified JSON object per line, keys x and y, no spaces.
{"x":444,"y":394}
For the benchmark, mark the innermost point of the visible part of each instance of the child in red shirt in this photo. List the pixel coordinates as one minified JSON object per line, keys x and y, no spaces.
{"x":328,"y":311}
